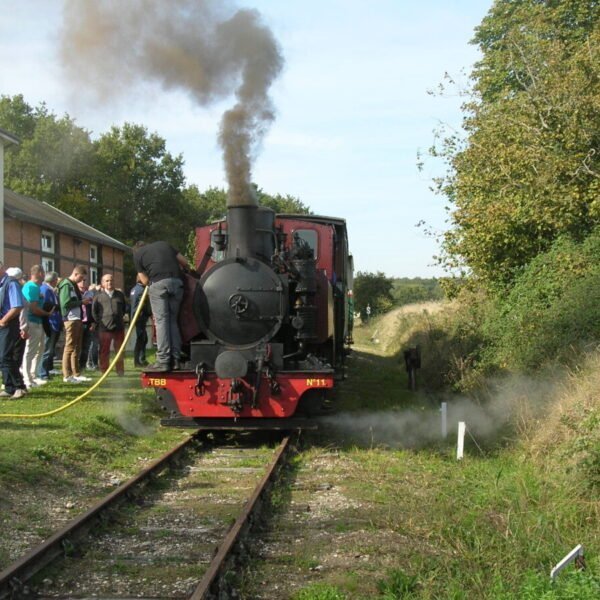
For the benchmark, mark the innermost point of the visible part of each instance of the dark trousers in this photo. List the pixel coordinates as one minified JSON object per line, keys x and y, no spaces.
{"x":141,"y":340}
{"x":106,"y":338}
{"x":89,"y":348}
{"x":47,"y":362}
{"x":18,"y":353}
{"x":10,"y":367}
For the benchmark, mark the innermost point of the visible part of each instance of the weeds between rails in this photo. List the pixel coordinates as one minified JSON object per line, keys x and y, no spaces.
{"x":170,"y":524}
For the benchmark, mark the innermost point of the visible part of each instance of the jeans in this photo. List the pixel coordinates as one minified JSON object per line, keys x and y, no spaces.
{"x":10,"y":367}
{"x":89,"y":348}
{"x":165,"y":299}
{"x":141,"y":341}
{"x":47,"y":362}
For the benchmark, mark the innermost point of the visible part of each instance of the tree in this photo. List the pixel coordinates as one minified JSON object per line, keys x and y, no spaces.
{"x":282,"y":204}
{"x":137,"y":188}
{"x":211,"y":204}
{"x":374,"y":289}
{"x":54,"y":160}
{"x":409,"y":291}
{"x":528,"y":170}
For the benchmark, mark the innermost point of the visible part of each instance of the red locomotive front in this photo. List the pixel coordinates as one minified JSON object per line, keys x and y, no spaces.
{"x":266,"y":320}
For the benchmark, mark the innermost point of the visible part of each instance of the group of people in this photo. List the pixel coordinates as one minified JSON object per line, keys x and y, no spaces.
{"x":35,"y":312}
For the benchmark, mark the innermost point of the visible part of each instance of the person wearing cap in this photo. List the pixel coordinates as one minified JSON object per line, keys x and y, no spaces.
{"x":11,"y":305}
{"x":19,"y":349}
{"x":34,"y":345}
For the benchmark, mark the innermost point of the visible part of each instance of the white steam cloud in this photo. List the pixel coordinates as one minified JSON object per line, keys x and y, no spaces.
{"x":513,"y":400}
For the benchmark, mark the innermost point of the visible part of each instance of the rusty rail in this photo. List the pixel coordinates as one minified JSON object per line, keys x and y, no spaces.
{"x":209,"y":586}
{"x":14,"y":577}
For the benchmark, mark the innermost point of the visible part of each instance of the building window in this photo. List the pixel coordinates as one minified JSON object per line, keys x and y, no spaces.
{"x":93,"y":275}
{"x":48,"y":242}
{"x":93,"y":254}
{"x":47,"y":264}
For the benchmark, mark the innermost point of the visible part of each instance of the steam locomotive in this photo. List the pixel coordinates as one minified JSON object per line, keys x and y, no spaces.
{"x":267,"y":320}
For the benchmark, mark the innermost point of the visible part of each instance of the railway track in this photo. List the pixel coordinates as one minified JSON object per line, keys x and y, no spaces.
{"x":169,"y":540}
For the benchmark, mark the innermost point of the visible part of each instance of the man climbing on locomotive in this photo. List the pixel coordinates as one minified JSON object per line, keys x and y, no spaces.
{"x":159,"y":266}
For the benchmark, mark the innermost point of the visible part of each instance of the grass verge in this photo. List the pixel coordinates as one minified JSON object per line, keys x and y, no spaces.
{"x":52,"y":468}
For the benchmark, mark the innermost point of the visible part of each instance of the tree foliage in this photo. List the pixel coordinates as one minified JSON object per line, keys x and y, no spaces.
{"x":528,"y":170}
{"x":54,"y":160}
{"x":410,"y":290}
{"x":552,"y":310}
{"x":125,"y":183}
{"x":137,"y":188}
{"x":374,"y":289}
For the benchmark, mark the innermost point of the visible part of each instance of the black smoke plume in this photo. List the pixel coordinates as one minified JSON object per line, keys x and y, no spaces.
{"x":203,"y":47}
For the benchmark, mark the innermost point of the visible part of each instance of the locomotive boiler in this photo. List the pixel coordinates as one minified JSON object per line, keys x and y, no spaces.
{"x":265,"y":320}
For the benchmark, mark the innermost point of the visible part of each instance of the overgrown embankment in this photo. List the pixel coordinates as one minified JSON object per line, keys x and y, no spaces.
{"x":381,"y":508}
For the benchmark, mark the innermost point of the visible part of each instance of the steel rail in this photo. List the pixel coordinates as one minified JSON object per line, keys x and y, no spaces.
{"x":209,"y":586}
{"x":13,"y":578}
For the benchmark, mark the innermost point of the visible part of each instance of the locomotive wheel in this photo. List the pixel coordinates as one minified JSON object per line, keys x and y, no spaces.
{"x":313,"y":404}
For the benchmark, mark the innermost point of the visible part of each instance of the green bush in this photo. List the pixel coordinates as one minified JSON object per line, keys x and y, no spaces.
{"x":552,"y":311}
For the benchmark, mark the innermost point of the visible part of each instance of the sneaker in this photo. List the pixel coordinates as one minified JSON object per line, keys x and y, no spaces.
{"x":81,"y":378}
{"x":70,"y":379}
{"x":4,"y":394}
{"x":158,"y":367}
{"x":18,"y":394}
{"x":40,"y":381}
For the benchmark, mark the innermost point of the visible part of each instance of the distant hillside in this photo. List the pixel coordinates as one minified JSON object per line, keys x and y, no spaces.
{"x":408,"y":290}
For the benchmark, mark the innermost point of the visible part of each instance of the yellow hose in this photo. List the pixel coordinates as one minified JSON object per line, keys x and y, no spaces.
{"x":97,"y":384}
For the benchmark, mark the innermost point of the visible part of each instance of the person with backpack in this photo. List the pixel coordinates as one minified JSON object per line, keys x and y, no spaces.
{"x":11,"y":305}
{"x":71,"y":303}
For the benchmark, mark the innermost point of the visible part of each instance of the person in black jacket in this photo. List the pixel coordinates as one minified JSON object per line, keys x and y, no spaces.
{"x":159,"y":265}
{"x":108,"y":309}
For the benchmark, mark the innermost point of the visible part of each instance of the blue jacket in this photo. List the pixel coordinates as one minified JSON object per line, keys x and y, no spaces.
{"x":49,"y":297}
{"x":11,"y":295}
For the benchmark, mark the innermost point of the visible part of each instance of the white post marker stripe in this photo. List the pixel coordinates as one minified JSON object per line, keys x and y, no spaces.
{"x":460,"y":445}
{"x":568,"y":559}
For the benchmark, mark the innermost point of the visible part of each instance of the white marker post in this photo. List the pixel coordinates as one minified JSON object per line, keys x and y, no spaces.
{"x":444,"y":411}
{"x":575,"y":555}
{"x":460,"y":445}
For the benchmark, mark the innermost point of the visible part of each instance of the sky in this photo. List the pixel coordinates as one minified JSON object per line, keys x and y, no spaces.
{"x":352,"y":102}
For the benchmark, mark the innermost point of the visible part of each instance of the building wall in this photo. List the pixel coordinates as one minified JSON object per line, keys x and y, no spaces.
{"x":23,"y":248}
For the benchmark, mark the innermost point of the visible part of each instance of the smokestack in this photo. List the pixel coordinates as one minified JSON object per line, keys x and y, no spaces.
{"x":197,"y":46}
